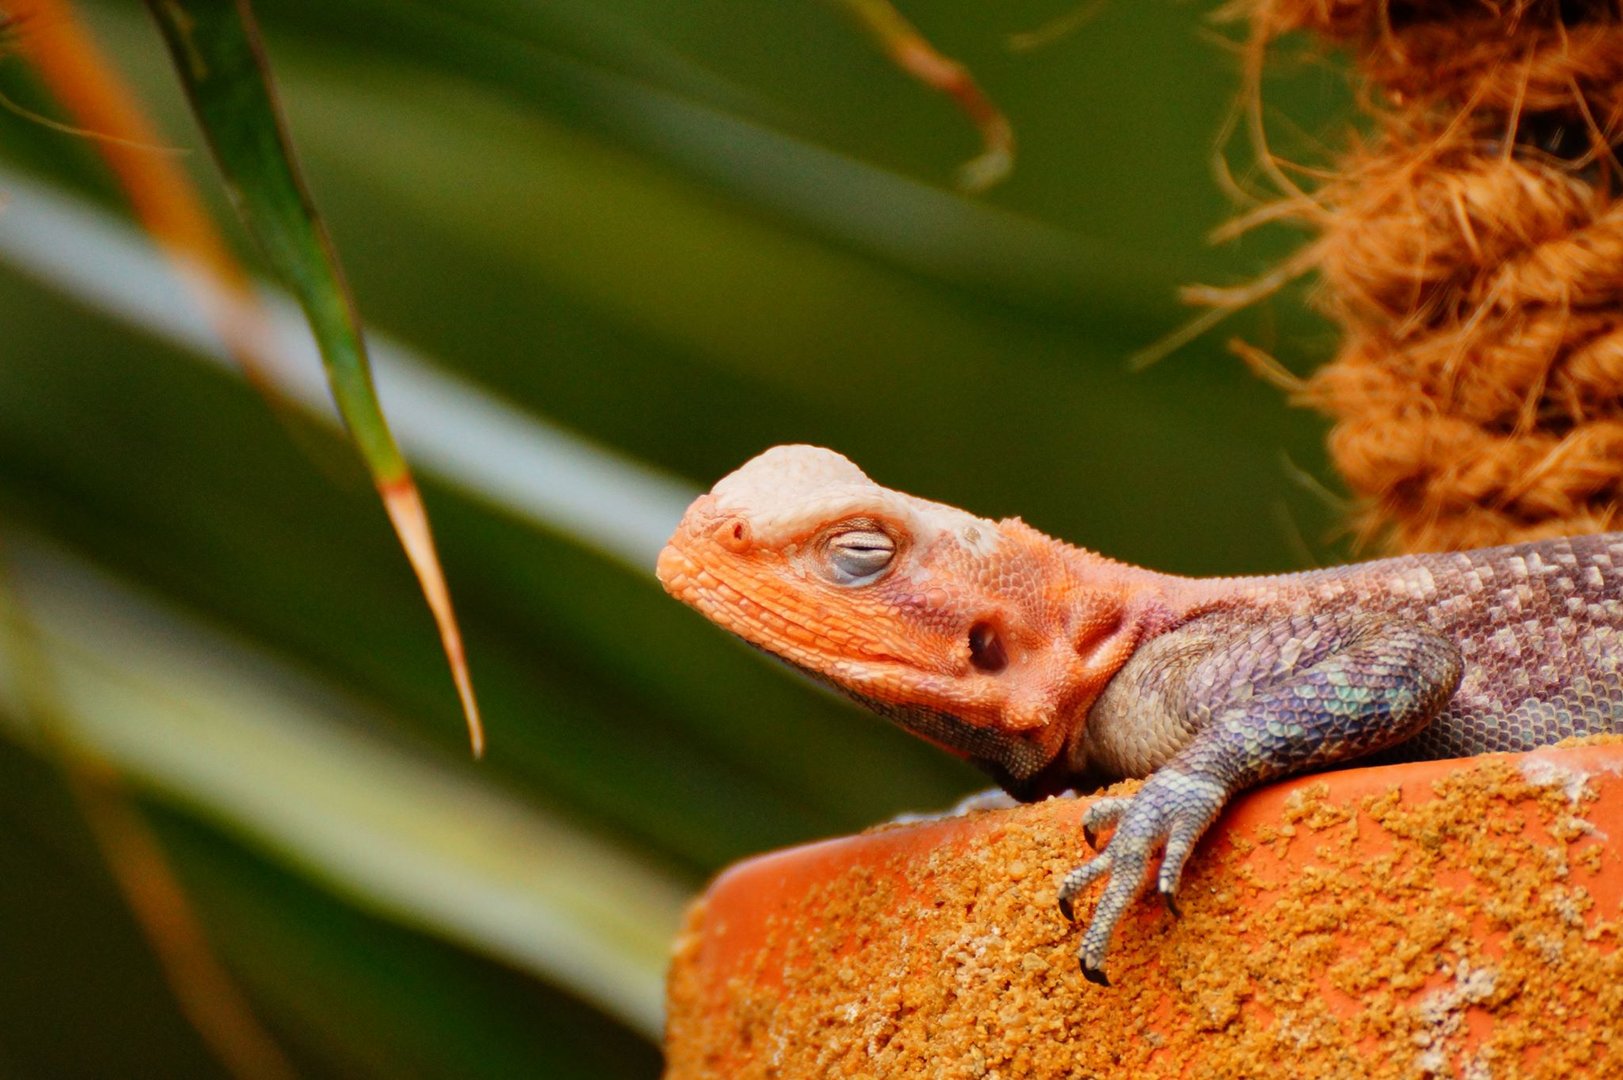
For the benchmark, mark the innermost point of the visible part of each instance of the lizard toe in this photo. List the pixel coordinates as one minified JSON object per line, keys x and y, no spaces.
{"x":1182,"y":835}
{"x":1101,"y":814}
{"x":1083,"y":876}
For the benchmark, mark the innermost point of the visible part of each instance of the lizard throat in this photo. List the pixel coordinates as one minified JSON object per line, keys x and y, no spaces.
{"x":1016,"y":764}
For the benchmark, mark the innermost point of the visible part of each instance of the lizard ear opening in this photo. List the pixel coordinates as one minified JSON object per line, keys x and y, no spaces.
{"x":986,"y":650}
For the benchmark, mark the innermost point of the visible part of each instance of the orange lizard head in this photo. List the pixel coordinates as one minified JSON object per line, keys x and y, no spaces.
{"x":980,"y":636}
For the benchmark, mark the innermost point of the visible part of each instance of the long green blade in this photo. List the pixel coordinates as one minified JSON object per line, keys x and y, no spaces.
{"x":218,"y":55}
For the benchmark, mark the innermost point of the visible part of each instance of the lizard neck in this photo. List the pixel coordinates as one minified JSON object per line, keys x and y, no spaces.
{"x":1145,"y":602}
{"x":1116,"y":608}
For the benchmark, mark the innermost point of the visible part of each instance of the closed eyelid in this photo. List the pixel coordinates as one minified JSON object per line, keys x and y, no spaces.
{"x":857,"y":554}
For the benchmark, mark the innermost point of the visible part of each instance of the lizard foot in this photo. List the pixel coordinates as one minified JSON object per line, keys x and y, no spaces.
{"x":1169,"y":813}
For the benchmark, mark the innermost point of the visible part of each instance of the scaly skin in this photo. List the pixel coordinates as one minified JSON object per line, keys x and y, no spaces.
{"x":1053,"y":668}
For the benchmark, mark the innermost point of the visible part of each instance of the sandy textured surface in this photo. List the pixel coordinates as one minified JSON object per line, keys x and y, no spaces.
{"x":1455,"y":918}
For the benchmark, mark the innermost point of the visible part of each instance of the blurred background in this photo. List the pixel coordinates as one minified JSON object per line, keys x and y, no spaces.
{"x":607,"y":251}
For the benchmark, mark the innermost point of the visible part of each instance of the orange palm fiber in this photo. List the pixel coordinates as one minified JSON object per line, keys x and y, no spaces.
{"x":1471,"y":248}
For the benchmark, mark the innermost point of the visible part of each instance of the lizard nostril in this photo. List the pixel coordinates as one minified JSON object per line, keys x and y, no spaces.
{"x":986,"y":648}
{"x":734,"y":535}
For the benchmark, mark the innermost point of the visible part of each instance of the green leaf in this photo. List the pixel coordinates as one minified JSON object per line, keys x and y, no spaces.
{"x":280,"y":761}
{"x":218,"y":55}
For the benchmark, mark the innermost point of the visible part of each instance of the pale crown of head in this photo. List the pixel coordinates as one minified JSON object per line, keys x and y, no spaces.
{"x":788,"y":491}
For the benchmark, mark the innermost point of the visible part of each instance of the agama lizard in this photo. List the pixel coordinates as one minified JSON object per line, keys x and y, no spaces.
{"x":1054,"y":668}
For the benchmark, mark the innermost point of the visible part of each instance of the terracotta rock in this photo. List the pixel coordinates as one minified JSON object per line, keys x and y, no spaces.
{"x":1447,"y":918}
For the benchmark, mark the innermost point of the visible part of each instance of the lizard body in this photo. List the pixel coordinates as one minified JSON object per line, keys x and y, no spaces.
{"x":1052,"y":667}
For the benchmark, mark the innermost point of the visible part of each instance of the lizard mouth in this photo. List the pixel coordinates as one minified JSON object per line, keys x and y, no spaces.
{"x":674,"y":569}
{"x":733,"y":604}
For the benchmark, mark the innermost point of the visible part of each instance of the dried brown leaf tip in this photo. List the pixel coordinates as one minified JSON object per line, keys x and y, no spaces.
{"x":1471,"y":247}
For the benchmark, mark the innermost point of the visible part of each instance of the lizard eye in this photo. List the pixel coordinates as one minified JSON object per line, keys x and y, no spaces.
{"x":858,"y":556}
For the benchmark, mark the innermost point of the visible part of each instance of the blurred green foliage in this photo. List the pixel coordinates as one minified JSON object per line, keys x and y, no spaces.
{"x":685,"y":232}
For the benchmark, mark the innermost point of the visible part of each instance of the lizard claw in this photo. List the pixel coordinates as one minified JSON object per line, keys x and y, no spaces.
{"x":1171,"y":902}
{"x":1065,"y":908}
{"x":1094,"y":975}
{"x":1100,"y":814}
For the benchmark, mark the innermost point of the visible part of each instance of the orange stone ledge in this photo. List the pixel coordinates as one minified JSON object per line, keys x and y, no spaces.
{"x":1447,"y":918}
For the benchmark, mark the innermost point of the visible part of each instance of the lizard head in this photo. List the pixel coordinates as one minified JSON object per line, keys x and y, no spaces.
{"x":975,"y":634}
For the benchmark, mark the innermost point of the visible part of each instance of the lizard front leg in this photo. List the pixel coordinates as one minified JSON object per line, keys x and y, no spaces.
{"x":1282,"y":695}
